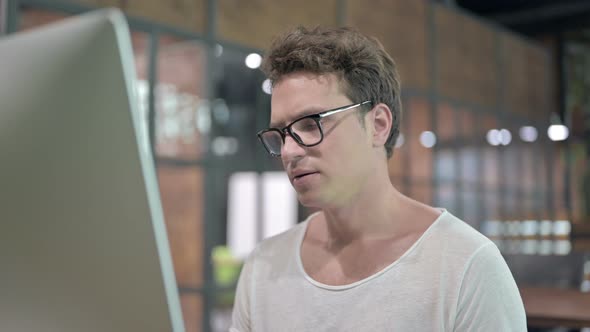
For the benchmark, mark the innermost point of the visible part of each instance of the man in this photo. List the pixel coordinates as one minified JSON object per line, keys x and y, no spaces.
{"x":371,"y":259}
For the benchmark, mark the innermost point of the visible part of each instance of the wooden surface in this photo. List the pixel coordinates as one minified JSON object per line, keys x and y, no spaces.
{"x":466,"y":67}
{"x":581,"y":244}
{"x":552,"y":307}
{"x":401,"y":26}
{"x":256,"y":22}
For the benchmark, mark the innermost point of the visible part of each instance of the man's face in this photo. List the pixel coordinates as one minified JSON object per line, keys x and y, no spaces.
{"x":334,"y":171}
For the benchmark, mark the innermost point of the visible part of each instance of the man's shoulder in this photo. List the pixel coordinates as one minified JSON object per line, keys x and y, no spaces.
{"x":450,"y":246}
{"x":282,"y":243}
{"x":457,"y":235}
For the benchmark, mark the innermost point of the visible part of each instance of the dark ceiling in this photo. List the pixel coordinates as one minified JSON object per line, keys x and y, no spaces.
{"x":532,"y":17}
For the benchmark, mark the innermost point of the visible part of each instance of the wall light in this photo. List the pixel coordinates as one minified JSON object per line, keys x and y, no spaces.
{"x":493,"y":137}
{"x":267,"y":86}
{"x":428,"y":139}
{"x":505,"y":137}
{"x":253,"y":60}
{"x":558,"y":132}
{"x":528,"y":133}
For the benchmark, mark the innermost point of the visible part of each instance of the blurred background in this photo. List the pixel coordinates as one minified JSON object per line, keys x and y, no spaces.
{"x":496,"y":129}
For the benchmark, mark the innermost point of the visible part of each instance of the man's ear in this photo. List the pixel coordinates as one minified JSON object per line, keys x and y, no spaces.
{"x":382,"y":123}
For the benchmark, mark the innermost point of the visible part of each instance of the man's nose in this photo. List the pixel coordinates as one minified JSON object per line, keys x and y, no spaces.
{"x":291,"y":149}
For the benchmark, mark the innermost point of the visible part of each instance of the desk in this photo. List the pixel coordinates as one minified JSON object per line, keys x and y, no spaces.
{"x":552,"y":307}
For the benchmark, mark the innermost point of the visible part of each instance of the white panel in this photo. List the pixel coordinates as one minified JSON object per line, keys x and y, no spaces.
{"x":241,"y":214}
{"x":280,"y":203}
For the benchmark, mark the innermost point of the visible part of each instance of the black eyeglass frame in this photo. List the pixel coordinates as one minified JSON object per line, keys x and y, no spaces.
{"x":316,"y":117}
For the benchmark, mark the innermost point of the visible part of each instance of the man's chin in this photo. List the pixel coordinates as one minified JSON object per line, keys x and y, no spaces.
{"x":310,"y":201}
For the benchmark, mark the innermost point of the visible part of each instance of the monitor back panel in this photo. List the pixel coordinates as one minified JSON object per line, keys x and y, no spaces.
{"x":83,"y":245}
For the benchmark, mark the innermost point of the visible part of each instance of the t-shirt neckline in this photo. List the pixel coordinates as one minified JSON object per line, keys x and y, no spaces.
{"x":316,"y":283}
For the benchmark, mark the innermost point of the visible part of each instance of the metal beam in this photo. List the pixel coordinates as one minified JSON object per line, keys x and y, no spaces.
{"x":450,"y":3}
{"x":3,"y":16}
{"x":12,"y":16}
{"x":553,"y":11}
{"x":341,"y":13}
{"x":212,"y":180}
{"x":152,"y":79}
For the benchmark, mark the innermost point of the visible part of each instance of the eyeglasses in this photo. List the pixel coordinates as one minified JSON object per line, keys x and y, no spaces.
{"x":306,"y":131}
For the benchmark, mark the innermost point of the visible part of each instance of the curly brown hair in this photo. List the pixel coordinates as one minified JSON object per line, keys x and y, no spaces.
{"x":365,"y":70}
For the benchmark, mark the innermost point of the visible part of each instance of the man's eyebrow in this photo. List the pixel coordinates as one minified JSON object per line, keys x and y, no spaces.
{"x":305,"y":112}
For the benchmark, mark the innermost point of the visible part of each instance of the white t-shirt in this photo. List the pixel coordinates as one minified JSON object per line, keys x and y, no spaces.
{"x":452,"y":279}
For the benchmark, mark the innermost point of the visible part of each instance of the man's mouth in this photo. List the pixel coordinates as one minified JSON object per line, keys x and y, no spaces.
{"x":302,"y":175}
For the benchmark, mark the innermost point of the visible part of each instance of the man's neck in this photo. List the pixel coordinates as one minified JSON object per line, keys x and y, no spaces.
{"x":350,"y":241}
{"x":371,"y":214}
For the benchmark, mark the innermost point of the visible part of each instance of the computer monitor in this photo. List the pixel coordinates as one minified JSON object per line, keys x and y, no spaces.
{"x":83,"y":244}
